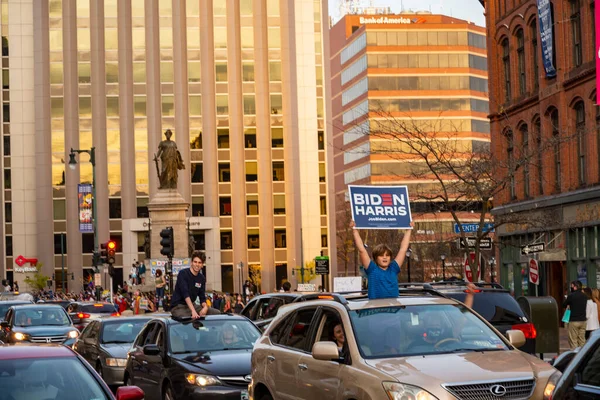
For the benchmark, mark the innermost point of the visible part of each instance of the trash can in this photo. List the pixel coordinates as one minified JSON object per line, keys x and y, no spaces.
{"x":542,"y":312}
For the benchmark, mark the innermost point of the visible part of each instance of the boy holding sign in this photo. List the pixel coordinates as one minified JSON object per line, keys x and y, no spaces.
{"x":382,"y":271}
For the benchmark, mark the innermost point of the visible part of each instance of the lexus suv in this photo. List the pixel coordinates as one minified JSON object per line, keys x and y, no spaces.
{"x":420,"y":345}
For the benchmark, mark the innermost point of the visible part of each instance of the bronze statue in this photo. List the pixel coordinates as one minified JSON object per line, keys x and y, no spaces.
{"x":170,"y":161}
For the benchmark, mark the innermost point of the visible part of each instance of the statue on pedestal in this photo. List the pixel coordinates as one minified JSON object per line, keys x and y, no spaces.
{"x":170,"y":162}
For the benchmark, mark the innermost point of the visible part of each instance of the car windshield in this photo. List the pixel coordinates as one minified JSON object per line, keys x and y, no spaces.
{"x":421,"y":330}
{"x":48,"y":379}
{"x":212,"y":335}
{"x":100,"y":308}
{"x":42,"y":316}
{"x":496,"y":307}
{"x":122,"y":331}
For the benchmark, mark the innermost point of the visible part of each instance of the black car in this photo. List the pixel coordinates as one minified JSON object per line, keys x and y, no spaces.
{"x":35,"y":324}
{"x":495,"y":304}
{"x":5,"y":305}
{"x":104,"y":344}
{"x":262,"y":309}
{"x":83,"y":312}
{"x":208,"y":358}
{"x":63,"y":303}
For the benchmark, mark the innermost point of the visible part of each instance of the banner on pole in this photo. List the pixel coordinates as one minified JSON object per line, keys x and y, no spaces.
{"x":86,"y":203}
{"x":380,"y":207}
{"x":178,"y":265}
{"x":546,"y":35}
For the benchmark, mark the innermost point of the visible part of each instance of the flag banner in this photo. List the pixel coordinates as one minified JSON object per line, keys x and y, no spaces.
{"x":546,"y":36}
{"x":86,"y":204}
{"x":380,"y":207}
{"x":178,"y":265}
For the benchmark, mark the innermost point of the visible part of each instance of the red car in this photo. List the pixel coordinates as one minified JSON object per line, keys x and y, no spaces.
{"x":53,"y":372}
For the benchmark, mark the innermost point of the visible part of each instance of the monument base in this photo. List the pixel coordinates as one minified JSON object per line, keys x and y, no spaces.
{"x":168,"y":208}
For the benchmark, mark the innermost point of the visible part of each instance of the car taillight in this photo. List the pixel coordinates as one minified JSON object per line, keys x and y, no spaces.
{"x":83,"y":315}
{"x":527,"y":329}
{"x":115,"y":314}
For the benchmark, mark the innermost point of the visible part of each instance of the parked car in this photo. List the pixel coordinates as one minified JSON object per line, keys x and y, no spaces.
{"x":208,"y":358}
{"x":581,"y":378}
{"x":495,"y":304}
{"x":421,"y":345}
{"x":53,"y":372}
{"x":262,"y":309}
{"x":35,"y":324}
{"x":83,"y":312}
{"x":5,"y":305}
{"x":63,"y":303}
{"x":104,"y":343}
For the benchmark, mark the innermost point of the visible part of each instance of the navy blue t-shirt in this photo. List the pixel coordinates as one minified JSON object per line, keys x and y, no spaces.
{"x":189,"y":285}
{"x":383,"y":283}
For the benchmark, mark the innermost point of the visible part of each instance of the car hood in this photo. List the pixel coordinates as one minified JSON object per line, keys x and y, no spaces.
{"x":431,"y":371}
{"x":219,"y":363}
{"x":44,"y":330}
{"x":117,"y":350}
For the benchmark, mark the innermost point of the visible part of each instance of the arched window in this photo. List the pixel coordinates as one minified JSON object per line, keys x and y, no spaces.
{"x":580,"y":132}
{"x":556,"y":144}
{"x":521,"y":61}
{"x":537,"y":131}
{"x":534,"y":53}
{"x":510,"y":157}
{"x":506,"y":68}
{"x":526,"y":155}
{"x":576,"y":32}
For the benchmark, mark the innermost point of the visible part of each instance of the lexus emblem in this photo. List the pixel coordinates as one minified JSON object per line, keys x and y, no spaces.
{"x":248,"y":378}
{"x":498,"y":390}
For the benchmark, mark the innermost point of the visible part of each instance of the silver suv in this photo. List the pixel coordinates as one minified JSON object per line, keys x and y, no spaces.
{"x":421,"y":345}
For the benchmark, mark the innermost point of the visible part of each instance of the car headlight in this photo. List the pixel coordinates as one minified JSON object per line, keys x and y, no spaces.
{"x":551,"y":385}
{"x":20,"y":336}
{"x":116,"y":362}
{"x":202,"y":380}
{"x":401,"y":391}
{"x":73,"y":334}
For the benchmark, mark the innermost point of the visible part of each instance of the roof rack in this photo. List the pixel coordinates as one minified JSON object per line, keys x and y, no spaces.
{"x":450,"y":283}
{"x":322,"y":296}
{"x":422,"y":288}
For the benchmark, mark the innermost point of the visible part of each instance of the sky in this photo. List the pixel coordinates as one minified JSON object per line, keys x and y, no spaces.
{"x":470,"y":10}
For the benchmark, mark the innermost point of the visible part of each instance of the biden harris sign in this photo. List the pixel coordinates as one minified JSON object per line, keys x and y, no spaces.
{"x":380,"y":207}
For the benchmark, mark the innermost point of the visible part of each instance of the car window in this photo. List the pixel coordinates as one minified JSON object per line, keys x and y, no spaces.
{"x":268,"y":308}
{"x":330,"y":328}
{"x":8,"y":315}
{"x":93,"y":330}
{"x":118,"y":331}
{"x":419,"y":330}
{"x":86,"y":332}
{"x":212,"y":335}
{"x":590,"y":375}
{"x":300,"y":329}
{"x":49,"y":379}
{"x":160,"y":337}
{"x":42,"y":317}
{"x":248,"y":310}
{"x":149,"y":339}
{"x":141,"y":338}
{"x":496,"y":307}
{"x":277,"y":335}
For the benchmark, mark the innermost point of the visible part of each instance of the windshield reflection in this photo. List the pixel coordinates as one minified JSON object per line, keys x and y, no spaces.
{"x":44,"y":316}
{"x":212,"y":335}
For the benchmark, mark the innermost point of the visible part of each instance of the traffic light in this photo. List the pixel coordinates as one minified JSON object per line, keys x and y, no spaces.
{"x":112,"y":248}
{"x":167,"y":242}
{"x":103,"y":253}
{"x":111,"y":270}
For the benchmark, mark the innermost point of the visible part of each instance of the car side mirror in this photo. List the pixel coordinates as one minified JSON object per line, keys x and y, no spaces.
{"x":516,"y":337}
{"x":130,"y":393}
{"x":151,"y":350}
{"x":326,"y":351}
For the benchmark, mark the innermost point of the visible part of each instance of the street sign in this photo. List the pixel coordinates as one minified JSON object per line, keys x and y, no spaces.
{"x":471,"y":228}
{"x":484,"y":243}
{"x":307,"y":287}
{"x":533,"y":248}
{"x":534,"y":272}
{"x":322,"y":265}
{"x":98,"y":279}
{"x":467,"y":268}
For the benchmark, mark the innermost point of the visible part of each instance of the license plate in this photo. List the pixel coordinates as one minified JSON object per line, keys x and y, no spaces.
{"x":245,"y":395}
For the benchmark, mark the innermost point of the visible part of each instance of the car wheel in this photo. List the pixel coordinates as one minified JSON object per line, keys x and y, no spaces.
{"x":266,"y":397}
{"x":168,"y":394}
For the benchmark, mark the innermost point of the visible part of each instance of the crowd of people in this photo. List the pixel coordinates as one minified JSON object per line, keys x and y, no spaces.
{"x":583,"y":313}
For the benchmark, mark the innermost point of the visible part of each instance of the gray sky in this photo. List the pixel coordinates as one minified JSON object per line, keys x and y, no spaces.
{"x":464,"y":9}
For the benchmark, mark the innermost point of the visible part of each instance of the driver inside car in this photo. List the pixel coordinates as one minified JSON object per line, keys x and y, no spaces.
{"x":434,"y":335}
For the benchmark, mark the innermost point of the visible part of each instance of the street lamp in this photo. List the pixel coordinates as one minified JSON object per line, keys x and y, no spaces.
{"x":72,"y":166}
{"x":408,"y":254}
{"x":241,"y":269}
{"x":443,"y":257}
{"x":492,"y":271}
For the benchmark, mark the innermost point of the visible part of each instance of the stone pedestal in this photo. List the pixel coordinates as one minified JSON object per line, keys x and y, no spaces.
{"x":168,"y":208}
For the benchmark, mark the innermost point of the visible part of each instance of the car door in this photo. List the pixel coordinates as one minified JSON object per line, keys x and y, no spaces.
{"x":80,"y":345}
{"x":248,"y":311}
{"x":139,"y":363}
{"x":289,"y":346}
{"x":318,"y":379}
{"x":5,"y":331}
{"x":585,"y":383}
{"x":92,"y":346}
{"x":155,"y":364}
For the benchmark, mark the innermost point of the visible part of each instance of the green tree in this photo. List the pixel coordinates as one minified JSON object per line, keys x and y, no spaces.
{"x":38,"y":280}
{"x":254,"y":276}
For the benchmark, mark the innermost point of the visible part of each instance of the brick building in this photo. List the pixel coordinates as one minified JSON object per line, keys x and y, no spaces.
{"x":545,"y":130}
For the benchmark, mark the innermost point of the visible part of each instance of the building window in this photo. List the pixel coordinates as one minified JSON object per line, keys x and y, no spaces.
{"x":276,"y":104}
{"x":224,"y":172}
{"x":7,"y":179}
{"x":321,"y":139}
{"x":506,"y":65}
{"x":252,"y":205}
{"x":114,"y":208}
{"x":87,"y":243}
{"x":8,"y":213}
{"x":510,"y":156}
{"x":279,"y":204}
{"x":223,"y":138}
{"x":278,"y":171}
{"x":198,"y":206}
{"x":323,"y":205}
{"x":525,"y":156}
{"x":534,"y":54}
{"x":226,"y":240}
{"x":322,"y":172}
{"x":580,"y":131}
{"x":576,"y":32}
{"x":224,"y":205}
{"x":276,"y":137}
{"x":6,"y":148}
{"x":280,"y":239}
{"x":197,"y":173}
{"x":253,"y":239}
{"x":521,"y":61}
{"x":251,"y":171}
{"x":556,"y":142}
{"x":142,"y":208}
{"x":323,"y":237}
{"x":250,"y":138}
{"x":57,"y":246}
{"x":537,"y":126}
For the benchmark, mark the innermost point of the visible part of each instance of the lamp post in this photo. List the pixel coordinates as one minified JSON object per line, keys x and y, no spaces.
{"x":492,"y":270}
{"x":73,"y":165}
{"x":408,"y":254}
{"x":443,"y":257}
{"x":241,"y":268}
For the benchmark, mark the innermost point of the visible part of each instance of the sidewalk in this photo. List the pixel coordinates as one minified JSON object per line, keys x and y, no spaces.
{"x":563,"y":344}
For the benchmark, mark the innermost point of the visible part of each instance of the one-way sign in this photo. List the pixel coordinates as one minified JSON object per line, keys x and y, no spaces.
{"x":484,"y":244}
{"x":532,"y":248}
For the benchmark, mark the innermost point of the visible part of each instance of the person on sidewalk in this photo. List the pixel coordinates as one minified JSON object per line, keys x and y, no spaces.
{"x":591,"y":314}
{"x":191,"y":285}
{"x":577,"y":302}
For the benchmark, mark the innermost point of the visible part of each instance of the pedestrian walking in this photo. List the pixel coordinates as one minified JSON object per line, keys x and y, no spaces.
{"x":239,"y":305}
{"x":591,"y":313}
{"x":382,"y":271}
{"x":160,"y":283}
{"x":576,"y":302}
